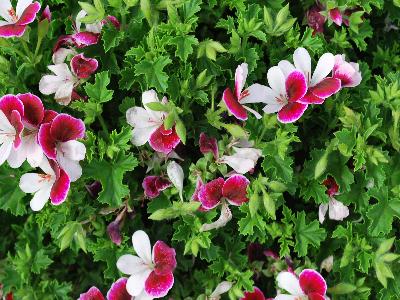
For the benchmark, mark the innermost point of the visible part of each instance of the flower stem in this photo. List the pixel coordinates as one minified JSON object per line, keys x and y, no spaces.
{"x":103,"y":124}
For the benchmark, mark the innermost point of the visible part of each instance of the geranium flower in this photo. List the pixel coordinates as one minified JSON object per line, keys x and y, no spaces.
{"x":116,"y":292}
{"x":315,"y":19}
{"x":348,"y":73}
{"x":11,"y":126}
{"x":244,"y":158}
{"x":15,"y":21}
{"x":285,"y":92}
{"x":310,"y":285}
{"x":336,"y":16}
{"x":337,"y":210}
{"x":319,"y":85}
{"x":235,"y":101}
{"x":257,"y":294}
{"x":54,"y":184}
{"x":154,"y":185}
{"x":58,"y":140}
{"x":148,"y":125}
{"x":151,"y":270}
{"x":208,"y":145}
{"x":46,"y":14}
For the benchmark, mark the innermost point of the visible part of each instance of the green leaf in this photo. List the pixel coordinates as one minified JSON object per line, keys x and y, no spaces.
{"x":111,"y":37}
{"x":177,"y":209}
{"x":98,"y":91}
{"x":11,"y":196}
{"x":184,"y":45}
{"x":40,"y":261}
{"x":153,"y":70}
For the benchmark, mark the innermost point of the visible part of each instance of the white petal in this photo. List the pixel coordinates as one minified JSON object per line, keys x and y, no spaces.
{"x":290,"y":283}
{"x":323,"y":208}
{"x":254,"y":112}
{"x":139,"y":117}
{"x":81,"y":14}
{"x":240,"y":78}
{"x":17,"y":157}
{"x":286,"y":67}
{"x":130,"y":264}
{"x":239,"y":164}
{"x":224,"y":218}
{"x":33,"y":182}
{"x":21,"y":6}
{"x":251,"y":153}
{"x":41,"y":197}
{"x":49,"y":84}
{"x":61,"y":55}
{"x":73,"y":150}
{"x":61,"y":70}
{"x":141,"y":136}
{"x":141,"y":244}
{"x":144,"y":296}
{"x":285,"y":297}
{"x":5,"y":6}
{"x":175,"y":174}
{"x":272,"y":108}
{"x":71,"y":167}
{"x":302,"y":61}
{"x":337,"y":210}
{"x":5,"y":150}
{"x":35,"y":153}
{"x":276,"y":80}
{"x":95,"y":27}
{"x":257,"y":93}
{"x":323,"y":68}
{"x":221,"y":288}
{"x":5,"y":126}
{"x":151,"y":96}
{"x":135,"y":284}
{"x":64,"y":92}
{"x":45,"y":166}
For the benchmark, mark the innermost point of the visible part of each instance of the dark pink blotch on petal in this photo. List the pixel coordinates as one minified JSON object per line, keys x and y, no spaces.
{"x":257,"y":294}
{"x":33,"y":109}
{"x":316,"y":296}
{"x":83,"y":67}
{"x":332,"y":188}
{"x":234,"y":189}
{"x":315,"y":20}
{"x":46,"y":14}
{"x":46,"y":141}
{"x":158,"y":286}
{"x":49,"y":116}
{"x":12,"y":30}
{"x":16,"y":122}
{"x":153,"y":185}
{"x":84,"y":39}
{"x":195,"y":196}
{"x":29,"y":14}
{"x":162,"y":183}
{"x":208,"y":144}
{"x":310,"y":98}
{"x":233,"y":105}
{"x":291,"y":112}
{"x":210,"y":194}
{"x":336,"y":16}
{"x":326,"y":87}
{"x":62,"y":40}
{"x":66,"y":128}
{"x":164,"y":258}
{"x":296,"y":86}
{"x":118,"y":290}
{"x":10,"y":103}
{"x":60,"y":188}
{"x":114,"y":232}
{"x":312,"y":282}
{"x":92,"y":294}
{"x":164,"y":141}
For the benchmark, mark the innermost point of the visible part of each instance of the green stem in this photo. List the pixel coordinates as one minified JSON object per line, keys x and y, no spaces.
{"x":38,"y":44}
{"x":103,"y":124}
{"x":26,"y":49}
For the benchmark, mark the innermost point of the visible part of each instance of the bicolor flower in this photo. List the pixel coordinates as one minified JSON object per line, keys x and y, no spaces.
{"x":208,"y":145}
{"x":58,"y":140}
{"x":30,"y":150}
{"x":154,"y":185}
{"x":243,"y":160}
{"x":148,"y":125}
{"x":116,"y":292}
{"x":336,"y":16}
{"x":235,"y":101}
{"x":347,"y":72}
{"x":284,"y":94}
{"x":315,"y":19}
{"x":319,"y":85}
{"x":46,"y":14}
{"x":309,"y":285}
{"x":11,"y":126}
{"x":16,"y":20}
{"x":151,"y":270}
{"x":257,"y":294}
{"x":53,"y":184}
{"x":337,"y":210}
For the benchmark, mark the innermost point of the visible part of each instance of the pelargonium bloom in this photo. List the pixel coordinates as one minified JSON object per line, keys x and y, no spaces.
{"x":310,"y":285}
{"x":235,"y":101}
{"x":315,"y":19}
{"x":151,"y":270}
{"x":46,"y":14}
{"x":148,"y":125}
{"x":116,"y":292}
{"x":336,"y":16}
{"x":11,"y":126}
{"x":257,"y":294}
{"x":208,"y":145}
{"x":53,"y":184}
{"x":58,"y":140}
{"x":319,"y":85}
{"x":337,"y":210}
{"x":284,"y":94}
{"x":16,"y":20}
{"x":154,"y":185}
{"x":347,"y":72}
{"x":243,"y":160}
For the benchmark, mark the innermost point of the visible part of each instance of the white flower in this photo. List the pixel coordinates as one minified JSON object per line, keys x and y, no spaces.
{"x":243,"y":160}
{"x":337,"y":210}
{"x":175,"y":174}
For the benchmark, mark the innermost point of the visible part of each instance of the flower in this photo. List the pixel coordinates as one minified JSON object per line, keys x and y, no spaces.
{"x":151,"y":270}
{"x":54,"y":184}
{"x":315,"y":19}
{"x":309,"y":284}
{"x":15,"y":21}
{"x":58,"y":140}
{"x":83,"y":67}
{"x":285,"y":92}
{"x":149,"y":125}
{"x":348,"y":73}
{"x":332,"y":188}
{"x":116,"y":292}
{"x":253,"y":94}
{"x":46,"y":14}
{"x":327,"y":264}
{"x":337,"y":210}
{"x":244,"y":158}
{"x":221,"y":288}
{"x":336,"y":16}
{"x":153,"y":185}
{"x":11,"y":126}
{"x":208,"y":145}
{"x":319,"y":85}
{"x":257,"y":294}
{"x":176,"y":175}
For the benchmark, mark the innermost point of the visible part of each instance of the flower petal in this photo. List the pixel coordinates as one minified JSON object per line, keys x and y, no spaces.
{"x":312,"y":282}
{"x":16,"y":122}
{"x":70,"y":166}
{"x":302,"y":61}
{"x":5,"y":150}
{"x":316,"y":296}
{"x":83,"y":67}
{"x":290,"y":283}
{"x":276,"y":80}
{"x":114,"y":232}
{"x":337,"y":210}
{"x":286,"y":67}
{"x":5,"y":7}
{"x":118,"y":290}
{"x":210,"y":194}
{"x":233,"y":105}
{"x":61,"y":55}
{"x":326,"y":88}
{"x":10,"y":103}
{"x":162,"y":142}
{"x":46,"y":141}
{"x":239,"y":164}
{"x":65,"y":128}
{"x":7,"y":31}
{"x":163,"y":258}
{"x":286,"y":297}
{"x":176,"y":175}
{"x":324,"y":67}
{"x":257,"y":294}
{"x":240,"y":78}
{"x":291,"y":112}
{"x":40,"y":198}
{"x":84,"y":39}
{"x":158,"y":286}
{"x":136,"y":282}
{"x":336,"y":16}
{"x":152,"y":186}
{"x":234,"y":189}
{"x":323,"y":208}
{"x":310,"y":98}
{"x":92,"y":294}
{"x":348,"y":74}
{"x":221,"y":288}
{"x":296,"y":86}
{"x":272,"y":108}
{"x":33,"y":108}
{"x":208,"y":144}
{"x":60,"y":188}
{"x":130,"y":264}
{"x":141,"y":244}
{"x":257,"y":93}
{"x":27,"y":14}
{"x":224,"y":218}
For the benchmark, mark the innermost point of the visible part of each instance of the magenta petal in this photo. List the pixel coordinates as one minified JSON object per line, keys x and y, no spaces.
{"x":296,"y":86}
{"x":257,"y":294}
{"x":326,"y":87}
{"x":234,"y":189}
{"x":113,"y":20}
{"x":83,"y":39}
{"x":16,"y":122}
{"x":12,"y":30}
{"x":163,"y":142}
{"x":195,"y":196}
{"x":118,"y":290}
{"x":9,"y":103}
{"x":208,"y":144}
{"x":158,"y":286}
{"x":46,"y":141}
{"x":310,"y":98}
{"x":29,"y":14}
{"x":316,"y":296}
{"x":164,"y":258}
{"x":291,"y":112}
{"x":162,"y":183}
{"x":62,"y":40}
{"x":66,"y":128}
{"x":233,"y":105}
{"x":83,"y":67}
{"x":336,"y":16}
{"x":60,"y":188}
{"x":46,"y":14}
{"x":312,"y":282}
{"x":92,"y":294}
{"x":49,"y":116}
{"x":114,"y":232}
{"x":153,"y":185}
{"x":210,"y":194}
{"x":33,"y":109}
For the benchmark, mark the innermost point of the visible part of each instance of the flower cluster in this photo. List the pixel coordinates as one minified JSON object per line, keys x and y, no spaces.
{"x":117,"y":291}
